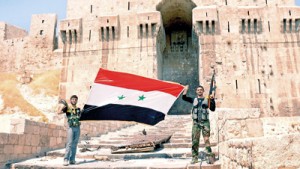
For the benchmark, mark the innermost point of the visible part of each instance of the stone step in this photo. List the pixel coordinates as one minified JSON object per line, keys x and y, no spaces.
{"x":184,"y":145}
{"x":175,"y":154}
{"x":120,"y":141}
{"x":189,"y":140}
{"x":165,"y":145}
{"x":154,"y":163}
{"x":106,"y":152}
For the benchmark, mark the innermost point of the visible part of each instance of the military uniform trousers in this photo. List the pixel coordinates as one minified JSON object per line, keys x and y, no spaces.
{"x":204,"y":127}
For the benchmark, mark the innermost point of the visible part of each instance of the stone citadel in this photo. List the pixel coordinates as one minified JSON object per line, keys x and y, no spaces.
{"x":253,"y":46}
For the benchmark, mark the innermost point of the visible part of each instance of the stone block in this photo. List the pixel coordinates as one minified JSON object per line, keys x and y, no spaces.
{"x":44,"y":141}
{"x":281,"y":125}
{"x":232,"y":129}
{"x":43,"y":131}
{"x":254,"y":128}
{"x":38,"y":149}
{"x":59,"y":140}
{"x":62,"y":133}
{"x":31,"y":122}
{"x":36,"y":130}
{"x":18,"y":149}
{"x":42,"y":125}
{"x":3,"y":138}
{"x":27,"y":149}
{"x":22,"y":138}
{"x":53,"y":142}
{"x":254,"y":113}
{"x":28,"y":129}
{"x":50,"y":132}
{"x":23,"y":156}
{"x":55,"y":133}
{"x":13,"y":138}
{"x":35,"y":140}
{"x":236,"y":115}
{"x":28,"y":139}
{"x":280,"y":150}
{"x":8,"y":149}
{"x":2,"y":159}
{"x":51,"y":126}
{"x":33,"y":150}
{"x":1,"y":148}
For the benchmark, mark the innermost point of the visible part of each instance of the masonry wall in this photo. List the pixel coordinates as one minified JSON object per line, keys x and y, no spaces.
{"x":247,"y":141}
{"x":11,"y":54}
{"x":12,"y":41}
{"x":26,"y":139}
{"x":12,"y":32}
{"x":34,"y":52}
{"x":253,"y":65}
{"x":94,"y":8}
{"x":22,"y":139}
{"x":118,"y":42}
{"x":254,"y":53}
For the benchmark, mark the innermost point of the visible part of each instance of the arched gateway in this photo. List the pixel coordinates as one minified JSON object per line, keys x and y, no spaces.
{"x":180,"y":56}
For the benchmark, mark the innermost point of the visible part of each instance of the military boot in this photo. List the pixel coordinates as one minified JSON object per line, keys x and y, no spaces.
{"x":211,"y":158}
{"x":194,"y":160}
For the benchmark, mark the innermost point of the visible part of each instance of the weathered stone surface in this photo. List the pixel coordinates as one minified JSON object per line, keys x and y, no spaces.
{"x":281,"y":125}
{"x":263,"y":152}
{"x":251,"y":70}
{"x":251,"y":45}
{"x":254,"y":128}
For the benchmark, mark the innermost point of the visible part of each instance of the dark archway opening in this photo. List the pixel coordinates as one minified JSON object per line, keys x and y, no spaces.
{"x":180,"y":56}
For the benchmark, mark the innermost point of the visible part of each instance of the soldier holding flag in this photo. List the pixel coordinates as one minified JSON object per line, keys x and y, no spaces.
{"x":73,"y":133}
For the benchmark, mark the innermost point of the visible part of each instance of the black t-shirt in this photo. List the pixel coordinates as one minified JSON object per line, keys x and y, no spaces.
{"x":191,"y":100}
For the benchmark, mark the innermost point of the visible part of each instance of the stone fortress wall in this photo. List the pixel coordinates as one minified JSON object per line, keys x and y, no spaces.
{"x":22,"y":139}
{"x":235,"y":39}
{"x":252,"y":46}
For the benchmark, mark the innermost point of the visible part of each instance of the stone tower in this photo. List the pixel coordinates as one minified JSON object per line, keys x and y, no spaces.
{"x":21,"y":51}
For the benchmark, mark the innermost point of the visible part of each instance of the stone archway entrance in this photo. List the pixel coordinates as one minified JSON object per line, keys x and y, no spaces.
{"x":180,"y":57}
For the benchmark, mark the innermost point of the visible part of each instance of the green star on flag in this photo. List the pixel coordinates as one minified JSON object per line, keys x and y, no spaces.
{"x":121,"y":97}
{"x":141,"y":98}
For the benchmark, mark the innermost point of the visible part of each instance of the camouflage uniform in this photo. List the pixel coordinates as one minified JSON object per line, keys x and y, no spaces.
{"x":73,"y":115}
{"x":200,"y":115}
{"x":203,"y":126}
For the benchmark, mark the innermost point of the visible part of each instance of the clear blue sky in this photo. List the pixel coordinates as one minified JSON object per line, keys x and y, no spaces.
{"x":18,"y":12}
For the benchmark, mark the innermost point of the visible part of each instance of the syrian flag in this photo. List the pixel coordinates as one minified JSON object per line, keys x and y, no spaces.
{"x":128,"y":97}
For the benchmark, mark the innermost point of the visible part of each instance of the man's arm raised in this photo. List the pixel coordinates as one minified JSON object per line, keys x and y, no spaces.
{"x":61,"y":107}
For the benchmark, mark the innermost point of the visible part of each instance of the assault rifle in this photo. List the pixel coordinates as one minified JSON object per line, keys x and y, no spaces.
{"x":212,"y":88}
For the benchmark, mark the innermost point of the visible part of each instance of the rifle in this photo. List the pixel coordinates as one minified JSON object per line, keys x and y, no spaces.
{"x":212,"y":88}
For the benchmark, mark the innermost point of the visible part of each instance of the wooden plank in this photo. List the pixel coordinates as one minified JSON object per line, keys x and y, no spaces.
{"x":147,"y":143}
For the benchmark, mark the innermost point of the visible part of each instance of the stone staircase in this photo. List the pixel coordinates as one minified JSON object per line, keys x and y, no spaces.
{"x":176,"y":153}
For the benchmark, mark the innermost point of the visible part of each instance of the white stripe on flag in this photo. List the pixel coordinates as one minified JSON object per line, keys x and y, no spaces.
{"x":101,"y":95}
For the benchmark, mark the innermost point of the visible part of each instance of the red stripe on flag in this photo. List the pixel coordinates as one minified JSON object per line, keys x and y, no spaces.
{"x":135,"y":82}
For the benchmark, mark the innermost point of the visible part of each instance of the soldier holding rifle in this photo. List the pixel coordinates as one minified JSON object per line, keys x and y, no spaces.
{"x":200,"y":116}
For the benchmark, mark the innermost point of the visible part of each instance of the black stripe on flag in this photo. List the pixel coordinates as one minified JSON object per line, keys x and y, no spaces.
{"x":123,"y":113}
